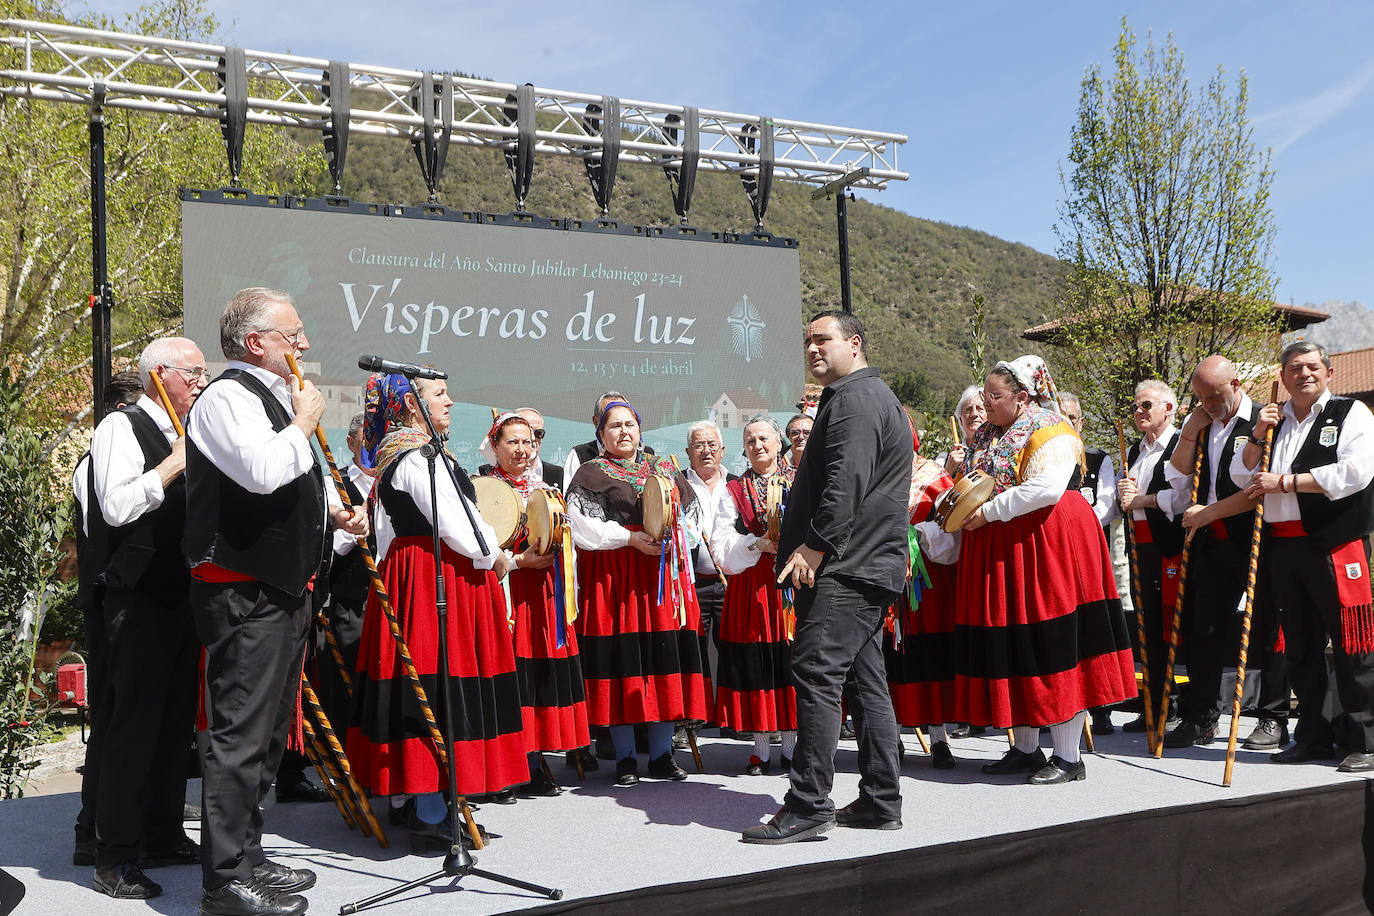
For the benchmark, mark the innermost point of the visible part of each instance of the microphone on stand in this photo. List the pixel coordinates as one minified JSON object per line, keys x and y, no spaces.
{"x":409,"y":370}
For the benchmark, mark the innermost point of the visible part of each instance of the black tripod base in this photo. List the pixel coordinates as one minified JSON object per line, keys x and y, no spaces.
{"x":459,"y":863}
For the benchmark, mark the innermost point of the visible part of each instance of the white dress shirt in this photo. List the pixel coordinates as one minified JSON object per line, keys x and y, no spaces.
{"x":708,"y":499}
{"x":1217,"y":434}
{"x":937,"y":544}
{"x":124,"y":491}
{"x":736,"y":552}
{"x":1104,"y":502}
{"x":1350,"y":473}
{"x":79,"y":490}
{"x":1171,"y":500}
{"x":412,"y":478}
{"x":343,"y":541}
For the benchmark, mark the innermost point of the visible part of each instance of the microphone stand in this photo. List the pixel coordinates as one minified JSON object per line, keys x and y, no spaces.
{"x":458,"y":863}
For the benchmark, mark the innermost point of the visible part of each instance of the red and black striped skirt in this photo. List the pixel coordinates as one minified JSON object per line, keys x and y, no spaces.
{"x":920,"y":671}
{"x":553,"y":699}
{"x":754,"y":690}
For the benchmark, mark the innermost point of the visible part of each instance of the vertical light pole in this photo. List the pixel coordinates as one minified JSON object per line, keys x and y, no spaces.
{"x":101,"y":296}
{"x":837,"y":188}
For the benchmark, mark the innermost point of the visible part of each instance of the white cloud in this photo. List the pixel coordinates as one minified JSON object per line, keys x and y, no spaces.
{"x":1290,"y":124}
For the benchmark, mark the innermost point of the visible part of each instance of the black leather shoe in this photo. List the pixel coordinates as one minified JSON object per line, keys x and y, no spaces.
{"x":539,"y":786}
{"x":605,"y":749}
{"x":426,"y":837}
{"x":1058,"y":770}
{"x":589,"y":761}
{"x":784,"y":765}
{"x":504,"y":797}
{"x":1189,"y":734}
{"x":126,"y":881}
{"x":1102,"y":724}
{"x":680,"y":742}
{"x":190,"y":812}
{"x":665,"y":767}
{"x":1014,"y":761}
{"x":249,"y":898}
{"x":283,"y":880}
{"x":941,"y":757}
{"x":786,"y":827}
{"x":1301,"y":753}
{"x":84,"y":852}
{"x":627,"y":772}
{"x":1357,"y":762}
{"x":398,"y":816}
{"x":1135,"y":726}
{"x":302,"y":790}
{"x":859,"y":815}
{"x":757,"y":767}
{"x":847,"y":731}
{"x":183,"y":852}
{"x":1268,"y":734}
{"x":960,"y":731}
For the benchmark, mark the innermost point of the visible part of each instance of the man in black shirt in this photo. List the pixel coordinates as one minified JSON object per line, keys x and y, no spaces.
{"x":843,"y":547}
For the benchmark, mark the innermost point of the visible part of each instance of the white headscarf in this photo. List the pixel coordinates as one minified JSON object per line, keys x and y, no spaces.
{"x":1034,"y":376}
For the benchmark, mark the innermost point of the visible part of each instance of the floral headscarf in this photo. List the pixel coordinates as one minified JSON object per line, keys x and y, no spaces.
{"x":384,"y":413}
{"x":1034,"y":376}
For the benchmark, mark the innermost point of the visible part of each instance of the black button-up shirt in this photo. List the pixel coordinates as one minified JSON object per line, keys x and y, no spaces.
{"x":849,"y":498}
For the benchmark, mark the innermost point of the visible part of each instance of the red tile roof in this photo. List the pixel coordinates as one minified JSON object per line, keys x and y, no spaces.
{"x":1352,"y":373}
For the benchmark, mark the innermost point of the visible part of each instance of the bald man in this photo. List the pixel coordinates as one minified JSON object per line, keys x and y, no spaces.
{"x":1220,"y":525}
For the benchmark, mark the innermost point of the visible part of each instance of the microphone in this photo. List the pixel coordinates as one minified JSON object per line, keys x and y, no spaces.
{"x":409,"y":370}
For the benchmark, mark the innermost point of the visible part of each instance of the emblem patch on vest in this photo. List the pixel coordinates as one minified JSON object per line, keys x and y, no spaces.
{"x":1327,"y":437}
{"x":1352,"y":571}
{"x":1238,"y":443}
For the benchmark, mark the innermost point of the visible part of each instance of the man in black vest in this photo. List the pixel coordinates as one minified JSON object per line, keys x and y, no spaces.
{"x":92,"y":553}
{"x":843,"y":547}
{"x":137,"y":462}
{"x":1221,"y":522}
{"x":1318,"y":512}
{"x":256,"y":533}
{"x":1153,"y":510}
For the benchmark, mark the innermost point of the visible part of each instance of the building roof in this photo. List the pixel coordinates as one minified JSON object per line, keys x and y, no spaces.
{"x":1294,"y":317}
{"x":745,"y":399}
{"x":1352,"y":373}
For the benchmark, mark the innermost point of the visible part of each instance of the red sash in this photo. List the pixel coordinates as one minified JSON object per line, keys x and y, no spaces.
{"x":1350,"y":565}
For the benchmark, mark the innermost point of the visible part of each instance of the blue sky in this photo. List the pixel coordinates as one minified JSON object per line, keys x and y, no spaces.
{"x":986,"y":91}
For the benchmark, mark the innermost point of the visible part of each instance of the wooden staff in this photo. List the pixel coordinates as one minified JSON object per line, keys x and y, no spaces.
{"x":328,"y":774}
{"x":379,"y":588}
{"x":167,"y":404}
{"x":954,"y":430}
{"x":333,"y":643}
{"x":326,"y":731}
{"x":1177,"y":623}
{"x":1088,"y":735}
{"x":921,"y":740}
{"x":1250,"y":575}
{"x":1139,"y":611}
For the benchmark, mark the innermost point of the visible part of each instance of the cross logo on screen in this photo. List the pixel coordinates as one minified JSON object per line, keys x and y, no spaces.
{"x":746,"y":330}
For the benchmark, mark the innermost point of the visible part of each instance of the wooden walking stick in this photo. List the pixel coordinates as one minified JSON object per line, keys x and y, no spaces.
{"x":333,"y":643}
{"x":167,"y":405}
{"x":921,"y":740}
{"x":1251,"y":573}
{"x":1088,"y":735}
{"x":1139,"y":611}
{"x":329,"y":777}
{"x":1176,"y":624}
{"x":367,"y":819}
{"x":441,"y":748}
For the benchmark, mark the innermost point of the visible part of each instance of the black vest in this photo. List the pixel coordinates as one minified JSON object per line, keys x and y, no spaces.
{"x":1167,"y":535}
{"x":349,"y":577}
{"x":1330,"y":522}
{"x":92,"y":543}
{"x":277,"y":538}
{"x":146,"y":553}
{"x":1093,"y":458}
{"x":1238,"y":527}
{"x":406,"y":518}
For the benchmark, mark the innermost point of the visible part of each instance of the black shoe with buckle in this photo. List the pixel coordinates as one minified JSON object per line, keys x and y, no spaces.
{"x":249,"y":898}
{"x":1014,"y":761}
{"x":861,"y":816}
{"x":665,"y":767}
{"x":126,"y":881}
{"x":300,"y":790}
{"x":941,"y":757}
{"x":627,"y":772}
{"x":1189,"y":734}
{"x":282,"y":880}
{"x":1058,"y":770}
{"x":184,"y":851}
{"x":786,"y":827}
{"x":1268,"y":734}
{"x":757,"y":767}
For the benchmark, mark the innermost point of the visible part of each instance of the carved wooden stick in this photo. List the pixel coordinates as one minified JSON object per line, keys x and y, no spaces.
{"x":1139,"y":609}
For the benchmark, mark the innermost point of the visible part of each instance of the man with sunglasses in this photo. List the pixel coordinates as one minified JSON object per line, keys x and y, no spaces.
{"x":1154,"y":508}
{"x":798,"y":433}
{"x":258,"y":517}
{"x":137,"y":463}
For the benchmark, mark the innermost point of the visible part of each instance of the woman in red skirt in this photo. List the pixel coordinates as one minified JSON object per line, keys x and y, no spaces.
{"x":553,"y":699}
{"x":389,"y":745}
{"x":1041,"y":633}
{"x":754,"y":679}
{"x":641,"y":638}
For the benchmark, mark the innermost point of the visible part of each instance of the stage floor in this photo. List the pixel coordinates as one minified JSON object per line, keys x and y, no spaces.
{"x":598,"y":840}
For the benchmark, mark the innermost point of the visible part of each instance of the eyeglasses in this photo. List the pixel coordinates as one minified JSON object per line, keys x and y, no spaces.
{"x":291,"y":337}
{"x":1146,"y":405}
{"x":193,"y":374}
{"x":799,"y":434}
{"x":703,"y":447}
{"x":1072,"y":417}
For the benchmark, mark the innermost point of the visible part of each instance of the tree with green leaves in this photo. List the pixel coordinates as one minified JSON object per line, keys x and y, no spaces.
{"x":1165,"y":230}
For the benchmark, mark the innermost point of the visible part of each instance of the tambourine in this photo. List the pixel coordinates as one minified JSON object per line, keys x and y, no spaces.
{"x":658,"y":506}
{"x":500,"y":506}
{"x":546,"y":519}
{"x":955,"y":505}
{"x":774,"y":497}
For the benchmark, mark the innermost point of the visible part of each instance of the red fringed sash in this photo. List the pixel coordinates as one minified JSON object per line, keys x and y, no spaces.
{"x":1350,"y":566}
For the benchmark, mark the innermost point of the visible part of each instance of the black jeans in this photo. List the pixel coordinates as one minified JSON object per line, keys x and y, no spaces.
{"x":837,"y":651}
{"x":254,"y":639}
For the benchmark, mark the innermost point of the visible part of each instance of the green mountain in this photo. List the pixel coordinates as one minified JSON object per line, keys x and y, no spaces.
{"x":913,"y":280}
